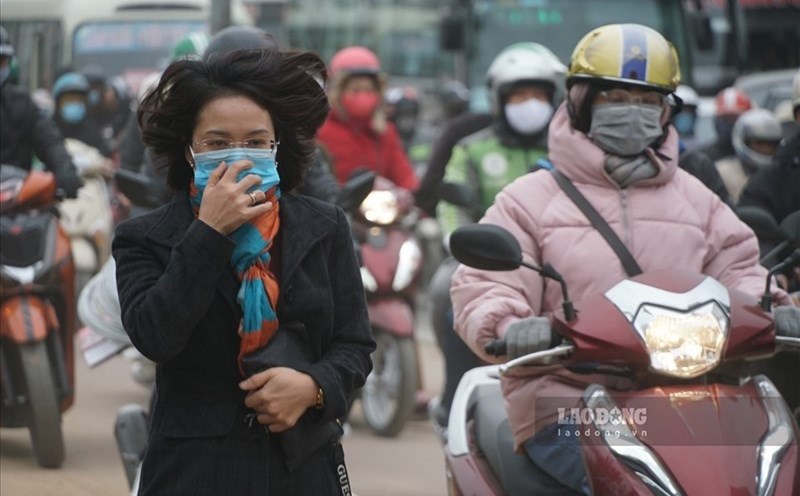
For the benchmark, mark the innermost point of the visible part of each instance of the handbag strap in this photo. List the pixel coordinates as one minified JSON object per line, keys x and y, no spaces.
{"x":628,"y":262}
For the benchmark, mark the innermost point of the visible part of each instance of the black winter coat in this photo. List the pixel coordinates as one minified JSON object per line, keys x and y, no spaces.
{"x":702,"y":167}
{"x":26,"y":131}
{"x":776,"y":187}
{"x":177,"y":293}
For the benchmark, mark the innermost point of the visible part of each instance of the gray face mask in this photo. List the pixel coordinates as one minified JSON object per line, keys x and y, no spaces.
{"x":625,"y":129}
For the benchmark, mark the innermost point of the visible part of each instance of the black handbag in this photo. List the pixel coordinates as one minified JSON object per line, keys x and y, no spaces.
{"x":287,"y":349}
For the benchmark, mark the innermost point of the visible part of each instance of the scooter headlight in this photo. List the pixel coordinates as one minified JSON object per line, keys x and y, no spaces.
{"x":380,"y":207}
{"x":683,"y":344}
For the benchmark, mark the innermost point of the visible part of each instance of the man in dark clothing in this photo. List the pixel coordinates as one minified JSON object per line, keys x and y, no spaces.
{"x":109,"y":102}
{"x":776,"y":188}
{"x":730,"y":104}
{"x":694,"y":161}
{"x":702,"y":167}
{"x":26,"y":130}
{"x":427,"y":195}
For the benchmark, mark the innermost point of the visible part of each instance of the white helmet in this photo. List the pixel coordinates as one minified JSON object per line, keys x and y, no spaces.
{"x":525,"y":61}
{"x":756,"y":124}
{"x":688,"y":95}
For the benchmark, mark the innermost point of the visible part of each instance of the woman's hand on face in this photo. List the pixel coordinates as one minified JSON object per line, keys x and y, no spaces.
{"x":226,"y":203}
{"x":280,"y":396}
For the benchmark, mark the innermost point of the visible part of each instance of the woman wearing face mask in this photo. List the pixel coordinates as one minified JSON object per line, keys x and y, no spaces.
{"x":357,"y":135}
{"x":247,"y":296}
{"x":70,"y":95}
{"x":522,"y":82}
{"x":611,"y":140}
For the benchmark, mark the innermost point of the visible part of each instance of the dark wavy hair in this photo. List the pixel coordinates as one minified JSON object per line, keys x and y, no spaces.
{"x":281,"y":82}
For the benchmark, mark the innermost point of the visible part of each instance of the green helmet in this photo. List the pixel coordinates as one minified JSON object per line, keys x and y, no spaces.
{"x":190,"y":47}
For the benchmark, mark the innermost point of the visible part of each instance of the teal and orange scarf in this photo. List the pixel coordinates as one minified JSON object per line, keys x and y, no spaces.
{"x":259,"y":290}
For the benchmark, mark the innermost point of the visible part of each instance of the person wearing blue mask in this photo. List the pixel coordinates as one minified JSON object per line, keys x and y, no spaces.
{"x":683,"y":116}
{"x":109,"y":100}
{"x":247,"y":295}
{"x":685,"y":120}
{"x":71,"y":112}
{"x":26,"y":130}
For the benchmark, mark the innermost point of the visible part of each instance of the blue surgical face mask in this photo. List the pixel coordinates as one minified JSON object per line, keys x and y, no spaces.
{"x":94,"y":97}
{"x":264,"y":166}
{"x":684,"y":124}
{"x":73,"y":112}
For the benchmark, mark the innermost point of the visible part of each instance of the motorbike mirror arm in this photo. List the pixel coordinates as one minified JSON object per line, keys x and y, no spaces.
{"x":550,"y":272}
{"x":791,"y":260}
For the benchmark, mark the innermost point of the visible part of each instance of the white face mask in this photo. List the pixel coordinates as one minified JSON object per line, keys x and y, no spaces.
{"x":530,"y":116}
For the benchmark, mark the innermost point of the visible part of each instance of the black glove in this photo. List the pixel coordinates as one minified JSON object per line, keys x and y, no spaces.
{"x":70,"y":185}
{"x":527,"y":335}
{"x":787,"y":322}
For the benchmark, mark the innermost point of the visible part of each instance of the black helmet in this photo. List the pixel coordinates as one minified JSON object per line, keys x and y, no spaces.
{"x":6,"y":48}
{"x":239,"y":38}
{"x":454,"y":98}
{"x":95,"y":74}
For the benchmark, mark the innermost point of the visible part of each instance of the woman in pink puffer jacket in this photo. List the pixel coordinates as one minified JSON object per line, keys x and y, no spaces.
{"x":611,"y":139}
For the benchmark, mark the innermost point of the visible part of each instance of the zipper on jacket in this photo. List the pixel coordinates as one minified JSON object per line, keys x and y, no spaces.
{"x":626,"y":225}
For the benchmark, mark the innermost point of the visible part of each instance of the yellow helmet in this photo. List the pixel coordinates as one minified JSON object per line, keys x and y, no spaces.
{"x":628,"y":53}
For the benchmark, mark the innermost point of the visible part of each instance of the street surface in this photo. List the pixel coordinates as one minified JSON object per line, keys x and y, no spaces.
{"x":409,"y":465}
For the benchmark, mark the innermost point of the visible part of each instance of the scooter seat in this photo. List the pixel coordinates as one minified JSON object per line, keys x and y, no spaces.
{"x":515,"y":472}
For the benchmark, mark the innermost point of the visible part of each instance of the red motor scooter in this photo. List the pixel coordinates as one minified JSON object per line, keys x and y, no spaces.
{"x":37,"y":314}
{"x":697,"y":424}
{"x":383,"y":224}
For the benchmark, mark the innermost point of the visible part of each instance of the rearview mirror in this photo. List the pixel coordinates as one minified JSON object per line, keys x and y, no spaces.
{"x":139,"y":188}
{"x":355,"y":190}
{"x":486,"y":247}
{"x":457,"y":194}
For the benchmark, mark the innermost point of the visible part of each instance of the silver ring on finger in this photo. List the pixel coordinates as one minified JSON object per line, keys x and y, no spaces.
{"x":253,"y":197}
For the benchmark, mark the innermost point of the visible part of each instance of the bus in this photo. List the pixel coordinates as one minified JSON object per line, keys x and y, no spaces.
{"x":708,"y":40}
{"x":128,"y":38}
{"x":773,"y":33}
{"x":403,"y":33}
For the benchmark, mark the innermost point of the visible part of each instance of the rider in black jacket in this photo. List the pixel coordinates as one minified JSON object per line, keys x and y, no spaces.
{"x":776,"y":187}
{"x":25,"y":130}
